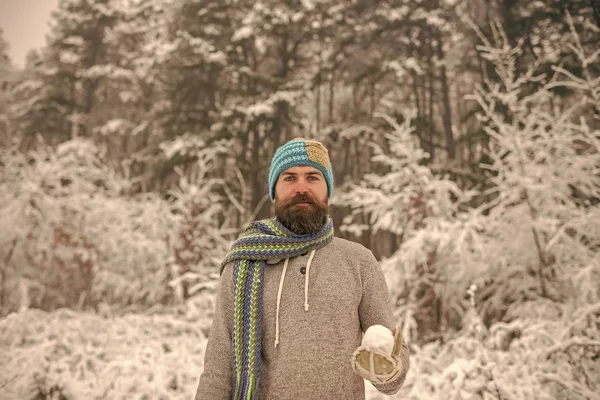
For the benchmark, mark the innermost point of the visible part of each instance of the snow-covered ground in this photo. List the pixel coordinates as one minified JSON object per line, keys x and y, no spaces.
{"x":88,"y":356}
{"x":160,"y":356}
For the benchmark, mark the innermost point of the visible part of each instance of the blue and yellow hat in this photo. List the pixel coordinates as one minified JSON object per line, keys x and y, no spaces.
{"x":296,"y":152}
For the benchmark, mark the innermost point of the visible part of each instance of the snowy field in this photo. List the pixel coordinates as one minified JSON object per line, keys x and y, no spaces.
{"x":88,"y":356}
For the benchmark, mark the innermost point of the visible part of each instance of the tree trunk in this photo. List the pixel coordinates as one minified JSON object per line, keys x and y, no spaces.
{"x":447,"y":116}
{"x":318,"y":103}
{"x":331,"y":96}
{"x":431,"y":121}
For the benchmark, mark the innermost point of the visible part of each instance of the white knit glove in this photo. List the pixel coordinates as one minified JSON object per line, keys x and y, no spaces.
{"x":377,"y":359}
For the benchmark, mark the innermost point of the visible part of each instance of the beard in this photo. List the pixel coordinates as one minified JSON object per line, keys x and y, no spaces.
{"x":302,"y":220}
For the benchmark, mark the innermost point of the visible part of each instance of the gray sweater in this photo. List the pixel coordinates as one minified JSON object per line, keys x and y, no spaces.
{"x":324,"y":310}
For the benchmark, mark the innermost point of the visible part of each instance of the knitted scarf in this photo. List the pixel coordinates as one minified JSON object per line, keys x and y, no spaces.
{"x":261,"y":241}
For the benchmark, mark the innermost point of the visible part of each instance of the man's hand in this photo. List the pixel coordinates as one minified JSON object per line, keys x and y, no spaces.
{"x":374,"y":365}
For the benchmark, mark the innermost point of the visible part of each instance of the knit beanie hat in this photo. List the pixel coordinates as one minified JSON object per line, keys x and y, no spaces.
{"x":300,"y":151}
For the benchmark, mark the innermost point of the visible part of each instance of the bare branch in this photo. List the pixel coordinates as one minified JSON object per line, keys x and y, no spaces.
{"x":8,"y":381}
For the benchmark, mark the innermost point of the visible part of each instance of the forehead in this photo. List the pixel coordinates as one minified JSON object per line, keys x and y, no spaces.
{"x":301,"y":170}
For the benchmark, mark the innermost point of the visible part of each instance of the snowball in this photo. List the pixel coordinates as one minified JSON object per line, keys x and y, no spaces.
{"x":380,"y":339}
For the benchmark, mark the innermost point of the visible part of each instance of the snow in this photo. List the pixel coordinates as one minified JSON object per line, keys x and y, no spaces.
{"x":81,"y":148}
{"x":308,"y":4}
{"x":256,"y":110}
{"x":267,"y":107}
{"x":69,"y":57}
{"x":435,"y":20}
{"x":297,"y":16}
{"x":115,"y":126}
{"x":182,"y":145}
{"x":74,"y":40}
{"x":127,"y":96}
{"x":99,"y":71}
{"x":217,"y":57}
{"x":378,"y":339}
{"x":89,"y":356}
{"x":242,"y":33}
{"x":109,"y":294}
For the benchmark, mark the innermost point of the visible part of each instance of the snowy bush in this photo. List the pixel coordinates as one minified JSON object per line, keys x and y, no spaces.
{"x":425,"y":275}
{"x":529,"y":357}
{"x":74,"y":238}
{"x":200,"y":243}
{"x":546,"y":160}
{"x":85,"y":356}
{"x":532,"y":251}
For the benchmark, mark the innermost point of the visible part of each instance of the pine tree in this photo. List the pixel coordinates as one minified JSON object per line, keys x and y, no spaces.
{"x":545,"y":158}
{"x":422,"y":212}
{"x":531,"y":252}
{"x":234,"y":73}
{"x":6,"y":80}
{"x":126,"y":122}
{"x":57,"y":100}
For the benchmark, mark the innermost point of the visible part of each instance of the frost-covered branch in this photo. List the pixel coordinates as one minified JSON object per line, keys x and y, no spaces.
{"x":571,"y":386}
{"x":581,"y":315}
{"x":572,"y":342}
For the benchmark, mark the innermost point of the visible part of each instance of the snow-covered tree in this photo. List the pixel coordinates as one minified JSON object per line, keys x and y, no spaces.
{"x":202,"y":237}
{"x":6,"y":77}
{"x":545,"y":175}
{"x":532,"y":251}
{"x":228,"y":76}
{"x":5,"y":63}
{"x":423,"y":212}
{"x":76,"y":237}
{"x":131,"y":91}
{"x":56,"y":101}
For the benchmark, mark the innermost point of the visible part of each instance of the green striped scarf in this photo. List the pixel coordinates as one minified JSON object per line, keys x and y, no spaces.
{"x":261,"y":241}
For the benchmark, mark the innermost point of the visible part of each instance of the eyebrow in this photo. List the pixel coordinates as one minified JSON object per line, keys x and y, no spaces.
{"x":306,"y":173}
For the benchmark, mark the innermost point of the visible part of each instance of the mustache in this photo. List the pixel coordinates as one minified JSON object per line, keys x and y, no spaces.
{"x":301,"y":198}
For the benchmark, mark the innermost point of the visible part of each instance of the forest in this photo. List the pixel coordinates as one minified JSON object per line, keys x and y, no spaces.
{"x":464,"y":137}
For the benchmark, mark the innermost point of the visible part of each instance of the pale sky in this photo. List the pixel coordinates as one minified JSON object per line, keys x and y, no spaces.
{"x":25,"y":24}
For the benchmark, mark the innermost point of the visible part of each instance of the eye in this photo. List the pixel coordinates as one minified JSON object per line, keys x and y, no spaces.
{"x":288,"y":178}
{"x":313,"y":178}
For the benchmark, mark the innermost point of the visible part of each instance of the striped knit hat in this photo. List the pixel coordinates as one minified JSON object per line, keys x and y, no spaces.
{"x":300,"y":151}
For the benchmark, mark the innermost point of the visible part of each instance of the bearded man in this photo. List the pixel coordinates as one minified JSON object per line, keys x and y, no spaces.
{"x":294,"y":301}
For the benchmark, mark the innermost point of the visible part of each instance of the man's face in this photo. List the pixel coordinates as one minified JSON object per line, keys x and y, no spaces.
{"x":301,"y":199}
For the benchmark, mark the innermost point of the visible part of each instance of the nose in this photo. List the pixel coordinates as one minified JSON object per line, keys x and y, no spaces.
{"x":300,"y":191}
{"x":300,"y":187}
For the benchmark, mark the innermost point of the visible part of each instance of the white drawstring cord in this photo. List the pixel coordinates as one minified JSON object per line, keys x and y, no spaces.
{"x":279,"y":301}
